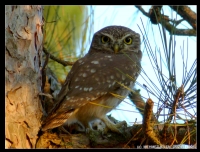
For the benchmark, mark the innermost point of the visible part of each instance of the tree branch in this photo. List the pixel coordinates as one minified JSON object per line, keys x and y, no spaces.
{"x":147,"y":127}
{"x":156,"y":17}
{"x":64,"y":63}
{"x":186,"y":13}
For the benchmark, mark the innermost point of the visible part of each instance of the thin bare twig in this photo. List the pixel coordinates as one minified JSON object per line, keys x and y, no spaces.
{"x":133,"y":137}
{"x":64,"y":63}
{"x":43,"y":71}
{"x":142,"y":10}
{"x":172,"y":114}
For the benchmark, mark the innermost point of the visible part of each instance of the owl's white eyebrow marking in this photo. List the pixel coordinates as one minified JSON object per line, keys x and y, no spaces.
{"x":95,"y":62}
{"x":126,"y":36}
{"x":93,"y":70}
{"x":85,"y":89}
{"x":108,"y":35}
{"x":84,"y":74}
{"x":76,"y":86}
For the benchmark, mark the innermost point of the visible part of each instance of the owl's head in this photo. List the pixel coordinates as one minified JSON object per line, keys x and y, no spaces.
{"x":116,"y":39}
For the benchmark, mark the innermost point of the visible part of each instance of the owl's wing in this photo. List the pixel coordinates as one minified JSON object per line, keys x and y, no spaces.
{"x":94,"y":76}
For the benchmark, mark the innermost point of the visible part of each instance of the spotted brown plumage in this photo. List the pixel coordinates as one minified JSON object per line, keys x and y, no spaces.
{"x":111,"y":65}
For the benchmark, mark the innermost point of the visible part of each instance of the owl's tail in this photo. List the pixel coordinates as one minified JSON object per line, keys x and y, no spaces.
{"x":55,"y":120}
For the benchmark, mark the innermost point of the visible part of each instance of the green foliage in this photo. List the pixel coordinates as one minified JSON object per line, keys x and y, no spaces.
{"x":65,"y":34}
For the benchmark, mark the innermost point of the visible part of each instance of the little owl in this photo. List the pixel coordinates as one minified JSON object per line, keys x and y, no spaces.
{"x":98,"y":82}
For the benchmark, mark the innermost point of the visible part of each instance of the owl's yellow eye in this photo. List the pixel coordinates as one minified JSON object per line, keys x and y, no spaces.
{"x":105,"y":39}
{"x":128,"y":40}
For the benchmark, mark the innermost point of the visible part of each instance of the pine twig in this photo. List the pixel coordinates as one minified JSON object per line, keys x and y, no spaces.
{"x":64,"y":63}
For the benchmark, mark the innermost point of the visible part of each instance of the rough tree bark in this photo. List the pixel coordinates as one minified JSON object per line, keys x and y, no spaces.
{"x":23,"y":47}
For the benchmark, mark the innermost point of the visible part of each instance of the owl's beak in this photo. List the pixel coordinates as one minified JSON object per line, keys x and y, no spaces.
{"x":116,"y":48}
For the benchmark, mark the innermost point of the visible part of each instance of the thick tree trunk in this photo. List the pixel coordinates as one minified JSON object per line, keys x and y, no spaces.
{"x":23,"y":46}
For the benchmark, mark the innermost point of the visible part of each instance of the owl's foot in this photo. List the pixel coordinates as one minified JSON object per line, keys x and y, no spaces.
{"x":105,"y":124}
{"x":97,"y":125}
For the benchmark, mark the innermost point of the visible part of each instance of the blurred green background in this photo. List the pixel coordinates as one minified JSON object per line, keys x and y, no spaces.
{"x":65,"y":33}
